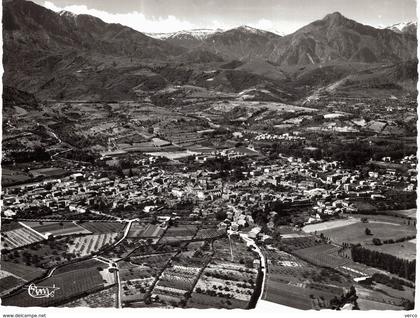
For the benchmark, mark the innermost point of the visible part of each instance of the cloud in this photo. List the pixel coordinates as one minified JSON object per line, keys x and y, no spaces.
{"x":264,"y":24}
{"x":171,"y":23}
{"x":135,"y":20}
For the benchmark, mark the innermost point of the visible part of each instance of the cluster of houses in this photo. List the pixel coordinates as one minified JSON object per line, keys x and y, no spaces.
{"x":320,"y":184}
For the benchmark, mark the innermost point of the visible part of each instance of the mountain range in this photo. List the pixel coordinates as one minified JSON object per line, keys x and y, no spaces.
{"x":63,"y":55}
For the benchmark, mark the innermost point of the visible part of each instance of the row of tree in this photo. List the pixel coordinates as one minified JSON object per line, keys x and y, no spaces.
{"x":401,"y":267}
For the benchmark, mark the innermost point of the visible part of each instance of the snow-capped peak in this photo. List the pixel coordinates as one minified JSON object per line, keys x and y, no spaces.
{"x":199,"y":34}
{"x":65,"y":13}
{"x":251,"y":30}
{"x":404,"y":27}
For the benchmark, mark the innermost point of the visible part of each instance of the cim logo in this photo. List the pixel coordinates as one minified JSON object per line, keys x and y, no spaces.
{"x":42,"y":291}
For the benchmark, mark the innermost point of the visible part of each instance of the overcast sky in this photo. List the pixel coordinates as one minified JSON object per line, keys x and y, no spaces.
{"x":283,"y":16}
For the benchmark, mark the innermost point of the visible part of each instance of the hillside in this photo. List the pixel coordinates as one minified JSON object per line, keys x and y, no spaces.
{"x":336,"y":38}
{"x":65,"y":56}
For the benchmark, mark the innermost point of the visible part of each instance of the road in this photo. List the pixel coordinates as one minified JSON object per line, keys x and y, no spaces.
{"x":119,"y":305}
{"x":52,"y":270}
{"x":127,"y":229}
{"x":34,"y":231}
{"x":251,"y":242}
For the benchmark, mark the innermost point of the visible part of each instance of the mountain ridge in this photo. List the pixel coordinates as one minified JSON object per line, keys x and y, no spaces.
{"x":62,"y":55}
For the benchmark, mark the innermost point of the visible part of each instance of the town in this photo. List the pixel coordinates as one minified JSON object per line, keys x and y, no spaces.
{"x":185,"y":221}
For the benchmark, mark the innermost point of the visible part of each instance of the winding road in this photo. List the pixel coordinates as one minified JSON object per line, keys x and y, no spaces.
{"x":251,"y":242}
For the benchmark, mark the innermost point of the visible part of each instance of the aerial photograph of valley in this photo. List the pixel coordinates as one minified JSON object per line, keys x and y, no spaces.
{"x":209,"y":154}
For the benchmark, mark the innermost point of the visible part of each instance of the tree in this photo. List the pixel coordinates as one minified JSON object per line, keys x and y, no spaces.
{"x":221,"y":215}
{"x":130,"y":173}
{"x":368,"y":231}
{"x":376,"y":241}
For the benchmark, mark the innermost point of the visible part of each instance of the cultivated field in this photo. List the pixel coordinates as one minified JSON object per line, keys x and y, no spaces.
{"x":22,"y":271}
{"x":57,"y":228}
{"x":139,"y":230}
{"x":175,"y":282}
{"x":179,"y":233}
{"x":208,"y":233}
{"x":85,"y":245}
{"x":19,"y":237}
{"x":8,"y":282}
{"x":404,"y":250}
{"x":355,"y":233}
{"x":103,"y":227}
{"x":311,"y":228}
{"x":104,"y":299}
{"x":290,"y":281}
{"x":70,"y":284}
{"x":411,"y":213}
{"x":228,"y":281}
{"x":323,"y":255}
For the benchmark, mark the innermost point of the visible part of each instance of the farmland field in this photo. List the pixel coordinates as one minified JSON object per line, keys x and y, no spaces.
{"x":106,"y":298}
{"x":404,"y":250}
{"x":22,"y":271}
{"x":154,"y":261}
{"x":365,"y":304}
{"x":134,"y":290}
{"x":130,"y":271}
{"x":69,"y":284}
{"x":179,"y":233}
{"x":179,"y":277}
{"x":355,"y":233}
{"x":85,"y":245}
{"x":20,"y":237}
{"x":208,"y":233}
{"x":57,"y":228}
{"x":139,"y":230}
{"x":42,"y":254}
{"x":152,"y":231}
{"x":290,"y":280}
{"x":136,"y":229}
{"x":371,"y":299}
{"x":300,"y":242}
{"x":382,"y":218}
{"x":329,"y":225}
{"x":411,"y":213}
{"x":287,"y":295}
{"x":90,"y":263}
{"x":202,"y":301}
{"x":9,"y":282}
{"x":9,"y":177}
{"x":323,"y":255}
{"x":103,"y":227}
